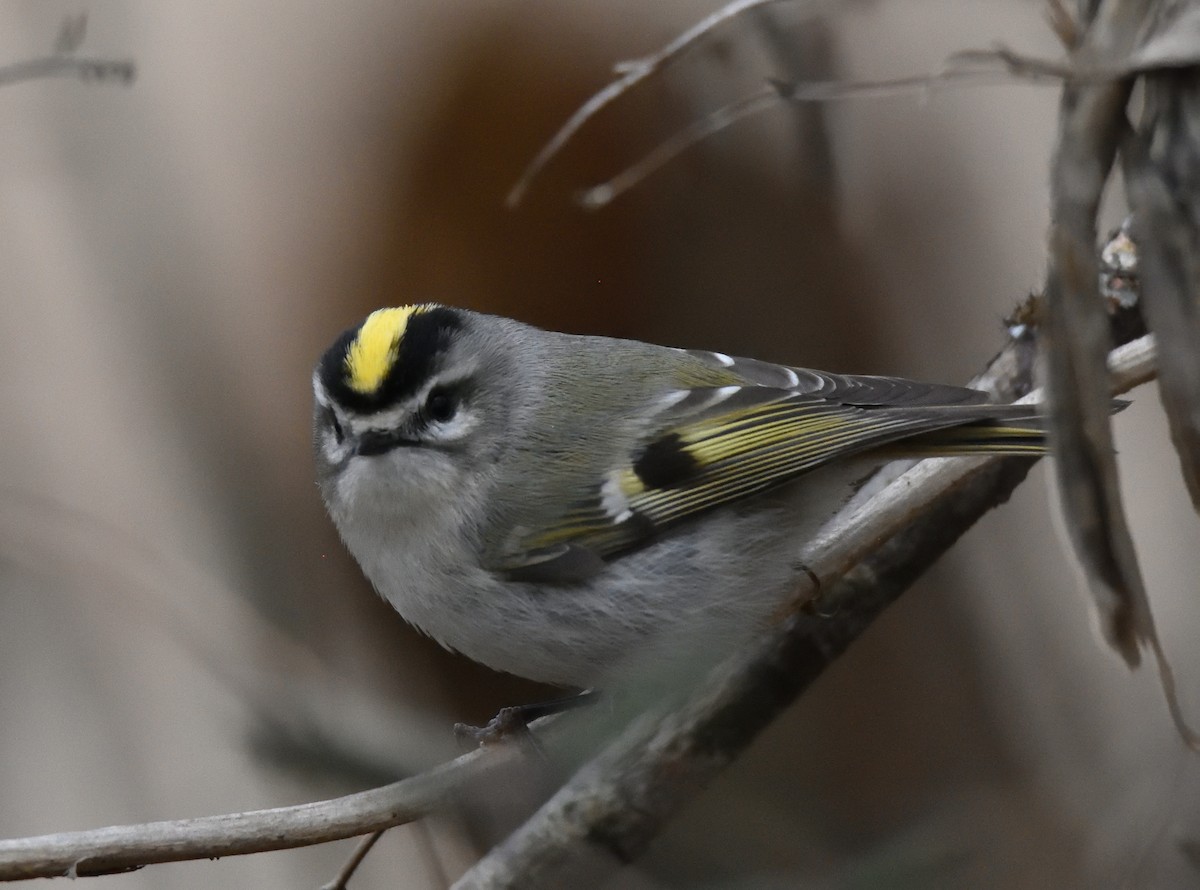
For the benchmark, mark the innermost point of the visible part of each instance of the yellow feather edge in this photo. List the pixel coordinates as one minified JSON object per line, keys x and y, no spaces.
{"x":752,"y":451}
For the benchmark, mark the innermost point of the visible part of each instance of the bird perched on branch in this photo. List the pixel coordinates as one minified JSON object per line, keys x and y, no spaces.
{"x":560,"y":506}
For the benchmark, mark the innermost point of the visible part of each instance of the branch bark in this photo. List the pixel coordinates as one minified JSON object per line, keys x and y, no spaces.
{"x":129,"y":847}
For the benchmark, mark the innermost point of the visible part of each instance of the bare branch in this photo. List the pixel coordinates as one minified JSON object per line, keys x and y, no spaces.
{"x":1169,"y":44}
{"x":70,"y":34}
{"x":68,"y":66}
{"x":63,"y":63}
{"x":126,"y":847}
{"x":342,"y":880}
{"x":600,"y":195}
{"x":630,"y":74}
{"x":777,"y":91}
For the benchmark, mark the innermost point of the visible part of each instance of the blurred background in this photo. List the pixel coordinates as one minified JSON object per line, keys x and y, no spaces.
{"x":181,"y":633}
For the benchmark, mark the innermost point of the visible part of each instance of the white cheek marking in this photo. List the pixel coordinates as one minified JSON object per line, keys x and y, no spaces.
{"x":461,"y":425}
{"x":334,"y":451}
{"x":319,"y":393}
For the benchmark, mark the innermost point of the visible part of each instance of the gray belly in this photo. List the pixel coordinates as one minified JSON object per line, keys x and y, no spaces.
{"x":676,"y":605}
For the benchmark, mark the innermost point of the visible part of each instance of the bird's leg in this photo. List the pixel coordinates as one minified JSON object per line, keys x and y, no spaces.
{"x":515,"y":720}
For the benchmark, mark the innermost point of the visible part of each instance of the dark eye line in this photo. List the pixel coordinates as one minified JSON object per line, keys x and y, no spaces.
{"x":441,"y":405}
{"x":338,"y":433}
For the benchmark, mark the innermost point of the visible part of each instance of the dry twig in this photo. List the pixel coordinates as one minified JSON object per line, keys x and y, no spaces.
{"x":630,"y":74}
{"x":342,"y":880}
{"x":64,"y":63}
{"x":126,"y":847}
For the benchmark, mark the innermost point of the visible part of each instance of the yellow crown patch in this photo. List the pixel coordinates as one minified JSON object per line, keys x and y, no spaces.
{"x":375,"y":348}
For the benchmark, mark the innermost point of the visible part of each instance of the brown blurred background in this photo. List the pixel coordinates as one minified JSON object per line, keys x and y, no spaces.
{"x":180,"y":631}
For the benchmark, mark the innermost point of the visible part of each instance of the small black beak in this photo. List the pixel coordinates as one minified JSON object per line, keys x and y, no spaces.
{"x":374,"y":442}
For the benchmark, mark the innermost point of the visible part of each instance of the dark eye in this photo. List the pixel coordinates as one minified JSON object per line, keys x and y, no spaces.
{"x":338,"y":434}
{"x":441,"y":405}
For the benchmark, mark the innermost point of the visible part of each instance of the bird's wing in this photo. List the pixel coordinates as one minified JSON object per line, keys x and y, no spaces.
{"x":708,"y":446}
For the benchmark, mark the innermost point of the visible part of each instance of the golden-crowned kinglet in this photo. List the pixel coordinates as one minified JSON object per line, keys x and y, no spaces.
{"x":553,"y":505}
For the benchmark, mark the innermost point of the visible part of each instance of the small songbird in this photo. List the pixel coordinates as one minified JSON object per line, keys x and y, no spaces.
{"x":557,"y":506}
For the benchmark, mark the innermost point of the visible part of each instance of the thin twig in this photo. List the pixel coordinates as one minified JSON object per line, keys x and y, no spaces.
{"x":64,"y":63}
{"x":598,"y":196}
{"x":342,"y":879}
{"x":125,"y":847}
{"x":963,"y":69}
{"x":775,"y":93}
{"x":963,"y":66}
{"x":430,"y":853}
{"x":68,"y":66}
{"x":635,"y":71}
{"x":631,"y":73}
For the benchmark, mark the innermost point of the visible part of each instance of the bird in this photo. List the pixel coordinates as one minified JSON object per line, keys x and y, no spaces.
{"x":579,"y":509}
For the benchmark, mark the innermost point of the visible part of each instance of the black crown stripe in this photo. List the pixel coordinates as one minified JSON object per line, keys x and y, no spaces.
{"x":425,"y":338}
